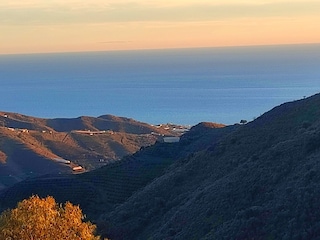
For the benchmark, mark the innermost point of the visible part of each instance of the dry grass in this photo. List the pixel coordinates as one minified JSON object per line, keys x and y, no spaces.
{"x":3,"y":157}
{"x":59,"y":138}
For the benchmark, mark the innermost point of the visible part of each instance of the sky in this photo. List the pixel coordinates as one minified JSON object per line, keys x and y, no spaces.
{"x":34,"y":26}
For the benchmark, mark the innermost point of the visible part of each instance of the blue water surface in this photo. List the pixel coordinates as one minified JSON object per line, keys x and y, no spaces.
{"x":184,"y":86}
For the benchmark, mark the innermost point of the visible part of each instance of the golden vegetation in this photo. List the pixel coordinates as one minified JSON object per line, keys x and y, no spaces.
{"x":43,"y":218}
{"x":3,"y":157}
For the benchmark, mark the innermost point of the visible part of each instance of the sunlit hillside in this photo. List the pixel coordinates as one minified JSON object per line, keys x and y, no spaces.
{"x":31,"y":147}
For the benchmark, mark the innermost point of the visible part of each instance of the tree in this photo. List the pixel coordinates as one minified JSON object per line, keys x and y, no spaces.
{"x":42,"y":218}
{"x":243,"y":121}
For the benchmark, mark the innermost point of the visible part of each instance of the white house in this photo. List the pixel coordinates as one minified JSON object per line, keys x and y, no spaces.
{"x":171,"y":139}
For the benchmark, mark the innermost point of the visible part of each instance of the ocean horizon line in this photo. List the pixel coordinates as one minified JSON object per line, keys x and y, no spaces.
{"x":165,"y":49}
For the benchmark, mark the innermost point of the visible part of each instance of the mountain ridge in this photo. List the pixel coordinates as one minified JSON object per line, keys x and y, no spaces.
{"x":86,"y":141}
{"x":248,"y":185}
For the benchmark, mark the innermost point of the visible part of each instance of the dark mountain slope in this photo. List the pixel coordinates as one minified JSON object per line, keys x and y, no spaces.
{"x":102,"y":189}
{"x":99,"y":189}
{"x":260,"y":182}
{"x":202,"y":136}
{"x":254,"y":181}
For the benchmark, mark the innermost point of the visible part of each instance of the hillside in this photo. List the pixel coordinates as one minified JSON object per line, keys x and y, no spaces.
{"x":111,"y":185}
{"x":254,"y":181}
{"x":260,"y":182}
{"x":28,"y":145}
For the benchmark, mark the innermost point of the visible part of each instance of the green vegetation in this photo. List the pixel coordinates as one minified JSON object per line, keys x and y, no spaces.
{"x":43,"y":218}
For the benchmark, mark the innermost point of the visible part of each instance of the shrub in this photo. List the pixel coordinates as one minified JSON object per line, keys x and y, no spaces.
{"x":43,"y":218}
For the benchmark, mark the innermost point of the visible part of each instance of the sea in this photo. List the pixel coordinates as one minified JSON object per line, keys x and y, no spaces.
{"x":181,"y":86}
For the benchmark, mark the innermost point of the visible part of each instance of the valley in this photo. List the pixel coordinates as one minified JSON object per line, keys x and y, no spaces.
{"x":30,"y":146}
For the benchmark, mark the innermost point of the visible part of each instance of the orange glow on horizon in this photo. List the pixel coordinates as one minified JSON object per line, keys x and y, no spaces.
{"x":33,"y":26}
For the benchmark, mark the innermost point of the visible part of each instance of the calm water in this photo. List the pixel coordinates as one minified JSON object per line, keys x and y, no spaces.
{"x":184,"y":86}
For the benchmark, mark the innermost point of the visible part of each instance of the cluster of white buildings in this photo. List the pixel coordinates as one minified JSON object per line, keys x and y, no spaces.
{"x":23,"y":130}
